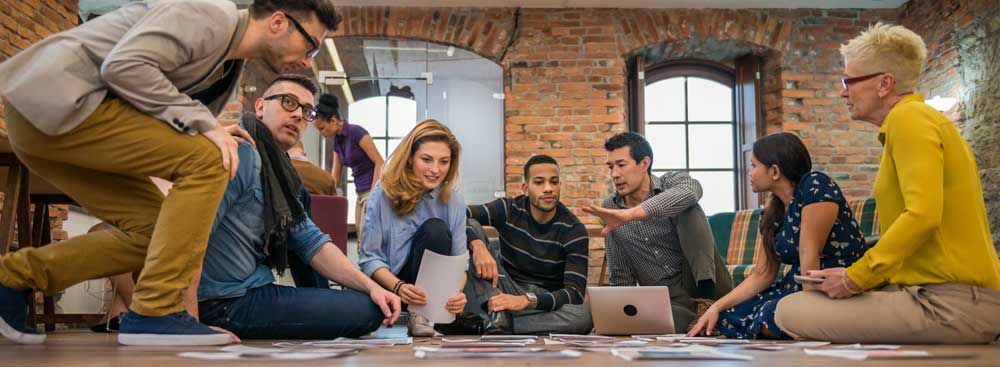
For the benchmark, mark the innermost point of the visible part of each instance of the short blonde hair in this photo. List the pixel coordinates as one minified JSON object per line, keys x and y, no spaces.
{"x":886,"y":48}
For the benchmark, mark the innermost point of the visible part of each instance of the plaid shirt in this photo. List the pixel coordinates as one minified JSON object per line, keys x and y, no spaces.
{"x":648,"y":252}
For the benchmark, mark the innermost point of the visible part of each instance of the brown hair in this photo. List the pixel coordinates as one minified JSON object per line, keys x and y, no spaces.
{"x":786,"y":151}
{"x":401,"y":186}
{"x":323,"y":9}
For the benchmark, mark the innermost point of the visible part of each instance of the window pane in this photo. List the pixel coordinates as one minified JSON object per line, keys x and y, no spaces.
{"x":352,"y":197}
{"x":370,"y":114}
{"x":711,"y":146}
{"x":393,"y":143}
{"x":709,"y":101}
{"x":402,"y":116}
{"x":667,"y":142}
{"x":718,"y":191}
{"x":664,"y":100}
{"x":380,"y":146}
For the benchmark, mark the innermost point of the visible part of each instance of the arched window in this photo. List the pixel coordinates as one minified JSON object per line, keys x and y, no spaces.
{"x":690,"y":123}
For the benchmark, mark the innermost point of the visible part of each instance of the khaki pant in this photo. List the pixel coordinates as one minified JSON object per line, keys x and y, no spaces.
{"x":105,"y":164}
{"x":359,"y":215}
{"x":931,"y":314}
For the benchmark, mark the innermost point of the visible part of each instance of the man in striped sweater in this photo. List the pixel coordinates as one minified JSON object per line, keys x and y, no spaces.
{"x":532,"y":281}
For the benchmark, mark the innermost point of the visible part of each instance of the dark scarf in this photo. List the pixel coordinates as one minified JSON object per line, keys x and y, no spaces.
{"x":281,"y":185}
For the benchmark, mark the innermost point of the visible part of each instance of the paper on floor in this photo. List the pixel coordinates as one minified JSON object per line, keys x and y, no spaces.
{"x":212,"y":356}
{"x":244,"y":352}
{"x":867,"y":347}
{"x":858,"y":355}
{"x":692,"y":352}
{"x":347,"y":343}
{"x":425,"y":353}
{"x":243,"y":349}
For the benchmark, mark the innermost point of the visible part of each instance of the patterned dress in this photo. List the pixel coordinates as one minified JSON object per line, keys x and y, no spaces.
{"x":844,"y":246}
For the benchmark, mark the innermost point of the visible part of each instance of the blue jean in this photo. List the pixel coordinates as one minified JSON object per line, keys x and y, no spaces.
{"x":281,"y":312}
{"x":304,"y":275}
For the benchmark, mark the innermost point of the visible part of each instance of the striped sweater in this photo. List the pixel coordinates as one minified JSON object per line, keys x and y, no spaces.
{"x":551,"y":255}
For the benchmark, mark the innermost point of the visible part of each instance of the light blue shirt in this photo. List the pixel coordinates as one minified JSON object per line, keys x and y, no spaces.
{"x":234,"y":260}
{"x":387,"y":237}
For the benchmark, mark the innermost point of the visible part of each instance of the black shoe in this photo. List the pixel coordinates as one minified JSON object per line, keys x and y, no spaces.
{"x":106,"y":327}
{"x":705,"y":289}
{"x":499,"y":324}
{"x":466,"y":323}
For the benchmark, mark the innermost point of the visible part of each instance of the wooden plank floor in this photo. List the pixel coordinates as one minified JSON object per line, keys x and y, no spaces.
{"x":80,"y":349}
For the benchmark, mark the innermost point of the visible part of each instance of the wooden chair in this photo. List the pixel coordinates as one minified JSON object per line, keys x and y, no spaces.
{"x":21,"y":190}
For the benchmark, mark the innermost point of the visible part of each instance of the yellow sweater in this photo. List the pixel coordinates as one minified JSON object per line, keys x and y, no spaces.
{"x":930,"y":203}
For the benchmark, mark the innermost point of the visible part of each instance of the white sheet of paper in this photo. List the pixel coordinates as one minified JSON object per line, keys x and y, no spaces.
{"x":212,"y":356}
{"x":867,"y":347}
{"x":306,"y":356}
{"x":692,"y":352}
{"x":806,"y":344}
{"x":243,"y":349}
{"x":440,"y":277}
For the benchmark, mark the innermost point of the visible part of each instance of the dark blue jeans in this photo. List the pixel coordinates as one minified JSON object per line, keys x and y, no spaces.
{"x":433,"y":235}
{"x":304,"y":275}
{"x":281,"y":312}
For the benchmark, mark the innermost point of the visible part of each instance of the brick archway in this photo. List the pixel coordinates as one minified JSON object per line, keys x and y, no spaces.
{"x":484,"y":31}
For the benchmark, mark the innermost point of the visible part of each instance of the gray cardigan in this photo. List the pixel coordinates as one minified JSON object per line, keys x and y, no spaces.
{"x":153,"y":54}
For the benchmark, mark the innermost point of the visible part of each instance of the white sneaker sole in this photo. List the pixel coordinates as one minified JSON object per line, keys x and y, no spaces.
{"x":172,"y":339}
{"x":18,"y":337}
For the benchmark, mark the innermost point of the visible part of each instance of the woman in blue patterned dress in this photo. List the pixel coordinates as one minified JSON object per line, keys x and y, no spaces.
{"x":806,"y":224}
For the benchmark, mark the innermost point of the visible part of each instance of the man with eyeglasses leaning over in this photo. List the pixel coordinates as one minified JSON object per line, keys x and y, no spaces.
{"x":262,"y":222}
{"x":98,"y":109}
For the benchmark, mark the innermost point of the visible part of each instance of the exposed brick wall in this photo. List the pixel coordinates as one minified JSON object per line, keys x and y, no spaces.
{"x":963,"y":41}
{"x":22,"y":23}
{"x":565,"y":76}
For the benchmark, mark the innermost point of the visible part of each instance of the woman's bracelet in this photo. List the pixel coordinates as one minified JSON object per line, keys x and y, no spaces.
{"x":395,"y":288}
{"x":843,"y":280}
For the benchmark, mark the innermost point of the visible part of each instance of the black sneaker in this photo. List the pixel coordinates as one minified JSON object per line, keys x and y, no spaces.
{"x":14,"y":315}
{"x":466,"y":323}
{"x":106,"y":327}
{"x":499,"y":324}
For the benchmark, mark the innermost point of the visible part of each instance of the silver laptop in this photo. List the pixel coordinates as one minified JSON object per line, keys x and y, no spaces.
{"x":631,"y":310}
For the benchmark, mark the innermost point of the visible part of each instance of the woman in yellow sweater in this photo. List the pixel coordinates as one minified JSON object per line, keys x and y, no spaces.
{"x":934,"y":276}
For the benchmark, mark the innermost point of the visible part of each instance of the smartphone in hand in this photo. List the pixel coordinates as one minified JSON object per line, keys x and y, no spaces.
{"x":801,"y":279}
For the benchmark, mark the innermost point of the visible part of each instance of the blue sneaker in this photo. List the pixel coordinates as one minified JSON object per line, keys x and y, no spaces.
{"x":13,"y":317}
{"x":176,"y":329}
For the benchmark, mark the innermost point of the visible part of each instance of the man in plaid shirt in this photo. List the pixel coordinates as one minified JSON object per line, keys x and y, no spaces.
{"x":655,"y":232}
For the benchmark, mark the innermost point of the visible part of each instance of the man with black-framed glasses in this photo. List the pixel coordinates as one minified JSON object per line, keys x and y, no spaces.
{"x":138,"y":92}
{"x":263,"y":225}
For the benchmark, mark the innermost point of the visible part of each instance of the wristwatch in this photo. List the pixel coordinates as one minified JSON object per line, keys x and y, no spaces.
{"x":532,"y":300}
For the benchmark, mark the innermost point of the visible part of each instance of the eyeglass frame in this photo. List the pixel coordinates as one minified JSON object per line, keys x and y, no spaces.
{"x":312,"y":42}
{"x":308,"y":115}
{"x":848,"y":81}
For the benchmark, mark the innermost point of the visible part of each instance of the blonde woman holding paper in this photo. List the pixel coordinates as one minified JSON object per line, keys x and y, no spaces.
{"x":415,"y":208}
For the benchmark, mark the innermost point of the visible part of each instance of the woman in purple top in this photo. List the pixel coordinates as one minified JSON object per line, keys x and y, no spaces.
{"x":353,"y":147}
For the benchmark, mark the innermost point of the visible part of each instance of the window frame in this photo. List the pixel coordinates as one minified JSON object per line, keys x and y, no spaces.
{"x":640,"y":77}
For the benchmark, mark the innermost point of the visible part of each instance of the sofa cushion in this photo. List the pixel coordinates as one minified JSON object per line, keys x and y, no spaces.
{"x":736,"y":235}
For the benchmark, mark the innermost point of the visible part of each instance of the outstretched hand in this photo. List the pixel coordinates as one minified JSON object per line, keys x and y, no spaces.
{"x":612,"y":218}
